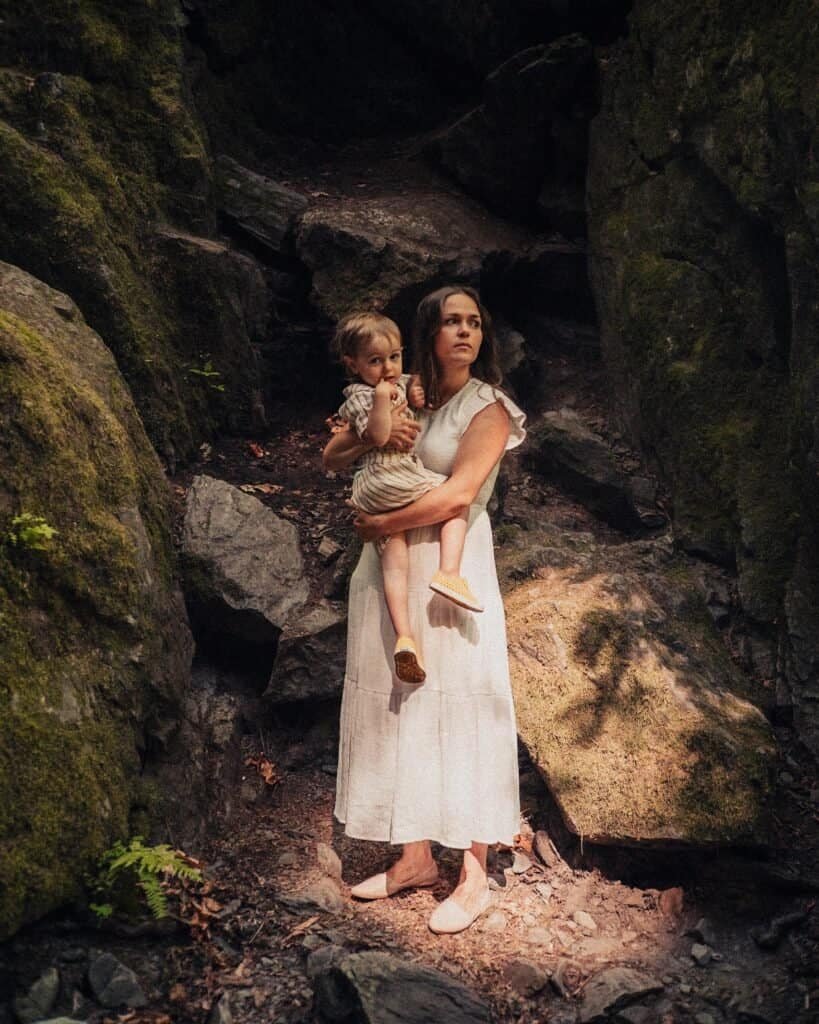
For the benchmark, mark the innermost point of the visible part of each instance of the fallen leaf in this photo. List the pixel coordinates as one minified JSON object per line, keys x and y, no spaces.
{"x":300,"y":929}
{"x":256,"y":449}
{"x":265,"y":768}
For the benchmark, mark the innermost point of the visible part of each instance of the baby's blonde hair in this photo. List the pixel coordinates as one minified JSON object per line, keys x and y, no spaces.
{"x":357,"y":329}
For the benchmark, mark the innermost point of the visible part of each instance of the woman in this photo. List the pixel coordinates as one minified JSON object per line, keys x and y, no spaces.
{"x":436,"y":762}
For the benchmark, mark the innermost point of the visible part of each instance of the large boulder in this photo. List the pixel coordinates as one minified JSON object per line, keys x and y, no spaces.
{"x":94,"y":640}
{"x":244,"y":572}
{"x":257,"y":206}
{"x":626,"y":697}
{"x":704,"y":234}
{"x":221,"y":317}
{"x":311,"y":655}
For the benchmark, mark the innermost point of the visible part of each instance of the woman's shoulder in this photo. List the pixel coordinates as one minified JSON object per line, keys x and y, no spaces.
{"x":478,"y":395}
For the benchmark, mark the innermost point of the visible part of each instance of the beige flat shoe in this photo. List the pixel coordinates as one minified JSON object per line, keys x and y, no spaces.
{"x":450,"y":917}
{"x":379,"y":887}
{"x":455,"y":589}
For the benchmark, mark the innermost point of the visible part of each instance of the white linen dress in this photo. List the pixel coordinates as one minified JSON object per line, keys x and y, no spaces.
{"x":436,"y":761}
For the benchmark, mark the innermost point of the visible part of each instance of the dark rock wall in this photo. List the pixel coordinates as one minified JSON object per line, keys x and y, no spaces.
{"x":703,"y":198}
{"x":326,"y":71}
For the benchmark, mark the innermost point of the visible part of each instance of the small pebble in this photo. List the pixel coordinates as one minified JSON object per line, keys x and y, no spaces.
{"x":538,"y":937}
{"x":544,"y":890}
{"x":584,"y":920}
{"x":288,"y":859}
{"x":701,"y":955}
{"x":495,"y":922}
{"x":521,"y":863}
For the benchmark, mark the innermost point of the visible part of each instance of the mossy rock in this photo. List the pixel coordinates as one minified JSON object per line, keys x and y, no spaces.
{"x":627,"y":700}
{"x":704,"y":246}
{"x":93,"y":635}
{"x":101,"y":144}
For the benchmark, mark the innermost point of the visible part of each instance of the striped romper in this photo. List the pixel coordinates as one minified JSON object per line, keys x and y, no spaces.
{"x":386,"y":479}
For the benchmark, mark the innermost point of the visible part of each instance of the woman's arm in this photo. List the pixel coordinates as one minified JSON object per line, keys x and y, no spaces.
{"x":481,"y":446}
{"x":345,"y":447}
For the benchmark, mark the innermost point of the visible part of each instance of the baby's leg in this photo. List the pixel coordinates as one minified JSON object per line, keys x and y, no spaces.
{"x":395,"y":567}
{"x":453,"y":537}
{"x":448,"y":581}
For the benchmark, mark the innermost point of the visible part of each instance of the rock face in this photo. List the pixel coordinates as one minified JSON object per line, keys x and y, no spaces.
{"x":378,"y":988}
{"x":368,"y":253}
{"x":94,"y":641}
{"x":244,"y":571}
{"x":564,"y":448}
{"x":626,"y":698}
{"x":530,"y":129}
{"x":101,"y":144}
{"x":704,"y":224}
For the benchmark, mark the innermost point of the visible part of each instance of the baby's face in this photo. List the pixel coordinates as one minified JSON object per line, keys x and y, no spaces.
{"x":377,"y":359}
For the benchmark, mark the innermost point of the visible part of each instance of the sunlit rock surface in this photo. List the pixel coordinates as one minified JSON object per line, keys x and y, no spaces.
{"x":626,"y":697}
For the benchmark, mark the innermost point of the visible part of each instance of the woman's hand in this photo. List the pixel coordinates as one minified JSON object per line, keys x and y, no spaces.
{"x":369,"y":527}
{"x":404,"y":429}
{"x":415,"y":392}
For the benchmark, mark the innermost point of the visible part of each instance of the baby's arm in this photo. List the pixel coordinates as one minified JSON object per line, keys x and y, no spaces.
{"x":379,"y":423}
{"x":344,"y":448}
{"x":415,"y":392}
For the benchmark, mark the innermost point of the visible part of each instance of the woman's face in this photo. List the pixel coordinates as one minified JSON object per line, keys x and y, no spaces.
{"x":459,"y":337}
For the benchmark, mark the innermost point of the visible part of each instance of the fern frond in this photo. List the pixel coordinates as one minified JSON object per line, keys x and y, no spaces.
{"x":154,"y":896}
{"x":147,"y":869}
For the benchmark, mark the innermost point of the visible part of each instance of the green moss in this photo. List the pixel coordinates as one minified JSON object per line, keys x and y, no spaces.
{"x":87,"y":170}
{"x":72,"y":694}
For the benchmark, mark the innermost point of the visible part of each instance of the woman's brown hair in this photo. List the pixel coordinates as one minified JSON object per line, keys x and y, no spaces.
{"x":428,"y":320}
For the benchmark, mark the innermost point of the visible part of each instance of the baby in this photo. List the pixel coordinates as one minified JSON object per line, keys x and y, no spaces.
{"x":369,"y":346}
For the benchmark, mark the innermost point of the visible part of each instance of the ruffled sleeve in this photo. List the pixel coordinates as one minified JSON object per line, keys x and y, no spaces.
{"x":478,"y":395}
{"x":356,"y":410}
